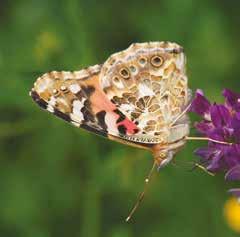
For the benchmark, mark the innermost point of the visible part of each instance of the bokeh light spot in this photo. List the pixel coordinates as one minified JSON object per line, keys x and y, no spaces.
{"x":232,"y":214}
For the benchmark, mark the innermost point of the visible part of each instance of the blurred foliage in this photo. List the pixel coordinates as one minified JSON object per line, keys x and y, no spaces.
{"x":57,"y":180}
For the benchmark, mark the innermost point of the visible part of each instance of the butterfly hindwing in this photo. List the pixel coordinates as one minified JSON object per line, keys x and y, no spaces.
{"x":147,"y":82}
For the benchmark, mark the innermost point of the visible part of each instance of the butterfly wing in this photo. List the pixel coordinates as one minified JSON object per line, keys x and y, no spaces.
{"x":134,"y":96}
{"x":77,"y":98}
{"x":147,"y":83}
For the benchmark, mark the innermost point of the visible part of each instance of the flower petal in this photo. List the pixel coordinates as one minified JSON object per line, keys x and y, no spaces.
{"x":235,"y":124}
{"x":232,"y":99}
{"x":204,"y":152}
{"x":220,"y":115}
{"x":216,"y":134}
{"x":238,"y":116}
{"x":211,"y":158}
{"x":200,"y":105}
{"x":204,"y":127}
{"x":221,"y":122}
{"x":231,"y":156}
{"x":215,"y":164}
{"x":233,"y":174}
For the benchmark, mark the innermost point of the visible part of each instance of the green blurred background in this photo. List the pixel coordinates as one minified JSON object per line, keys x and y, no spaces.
{"x":57,"y":180}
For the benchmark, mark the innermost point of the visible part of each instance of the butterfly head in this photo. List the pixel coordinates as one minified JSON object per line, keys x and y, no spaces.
{"x":163,"y":154}
{"x":164,"y":158}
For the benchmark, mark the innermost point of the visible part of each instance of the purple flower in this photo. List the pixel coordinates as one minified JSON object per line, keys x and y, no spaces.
{"x":232,"y":175}
{"x":221,"y":125}
{"x":200,"y":105}
{"x":232,"y":99}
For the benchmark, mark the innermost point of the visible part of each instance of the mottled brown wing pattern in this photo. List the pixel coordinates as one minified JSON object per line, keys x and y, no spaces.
{"x":77,"y":98}
{"x":134,"y":96}
{"x":147,"y":83}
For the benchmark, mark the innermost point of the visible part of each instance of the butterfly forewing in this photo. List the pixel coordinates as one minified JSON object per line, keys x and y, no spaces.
{"x":77,"y":98}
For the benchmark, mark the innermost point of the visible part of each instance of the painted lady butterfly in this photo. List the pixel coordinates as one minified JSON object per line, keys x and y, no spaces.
{"x":139,"y":97}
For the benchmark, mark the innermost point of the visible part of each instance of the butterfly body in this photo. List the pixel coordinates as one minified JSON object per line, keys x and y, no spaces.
{"x":137,"y":97}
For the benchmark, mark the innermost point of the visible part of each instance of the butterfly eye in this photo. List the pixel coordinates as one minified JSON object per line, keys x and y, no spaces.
{"x":112,"y":61}
{"x":157,"y":61}
{"x":125,"y":73}
{"x":133,"y":69}
{"x":116,"y":79}
{"x":142,"y":60}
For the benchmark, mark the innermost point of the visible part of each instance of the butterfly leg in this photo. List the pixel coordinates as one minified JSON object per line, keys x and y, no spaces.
{"x":196,"y":165}
{"x":180,"y":115}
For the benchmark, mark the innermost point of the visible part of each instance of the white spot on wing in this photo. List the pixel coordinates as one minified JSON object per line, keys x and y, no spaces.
{"x":52,"y":101}
{"x":76,"y":114}
{"x":74,"y":88}
{"x":94,"y":69}
{"x":105,"y":83}
{"x":81,"y":74}
{"x":144,"y":90}
{"x":110,"y":120}
{"x":180,"y":62}
{"x":75,"y":123}
{"x":127,"y":107}
{"x":67,"y":75}
{"x":51,"y":104}
{"x":50,"y":109}
{"x":43,"y":84}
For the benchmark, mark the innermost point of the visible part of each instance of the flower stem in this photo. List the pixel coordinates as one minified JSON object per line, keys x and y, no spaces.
{"x":207,"y":139}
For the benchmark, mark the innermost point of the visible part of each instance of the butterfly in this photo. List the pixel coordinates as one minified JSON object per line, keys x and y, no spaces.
{"x":138,"y":96}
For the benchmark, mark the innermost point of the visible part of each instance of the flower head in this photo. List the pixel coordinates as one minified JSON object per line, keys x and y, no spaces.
{"x":221,"y":122}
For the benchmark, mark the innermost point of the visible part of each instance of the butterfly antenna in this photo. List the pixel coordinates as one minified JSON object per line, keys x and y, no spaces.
{"x":194,"y":165}
{"x":141,"y":195}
